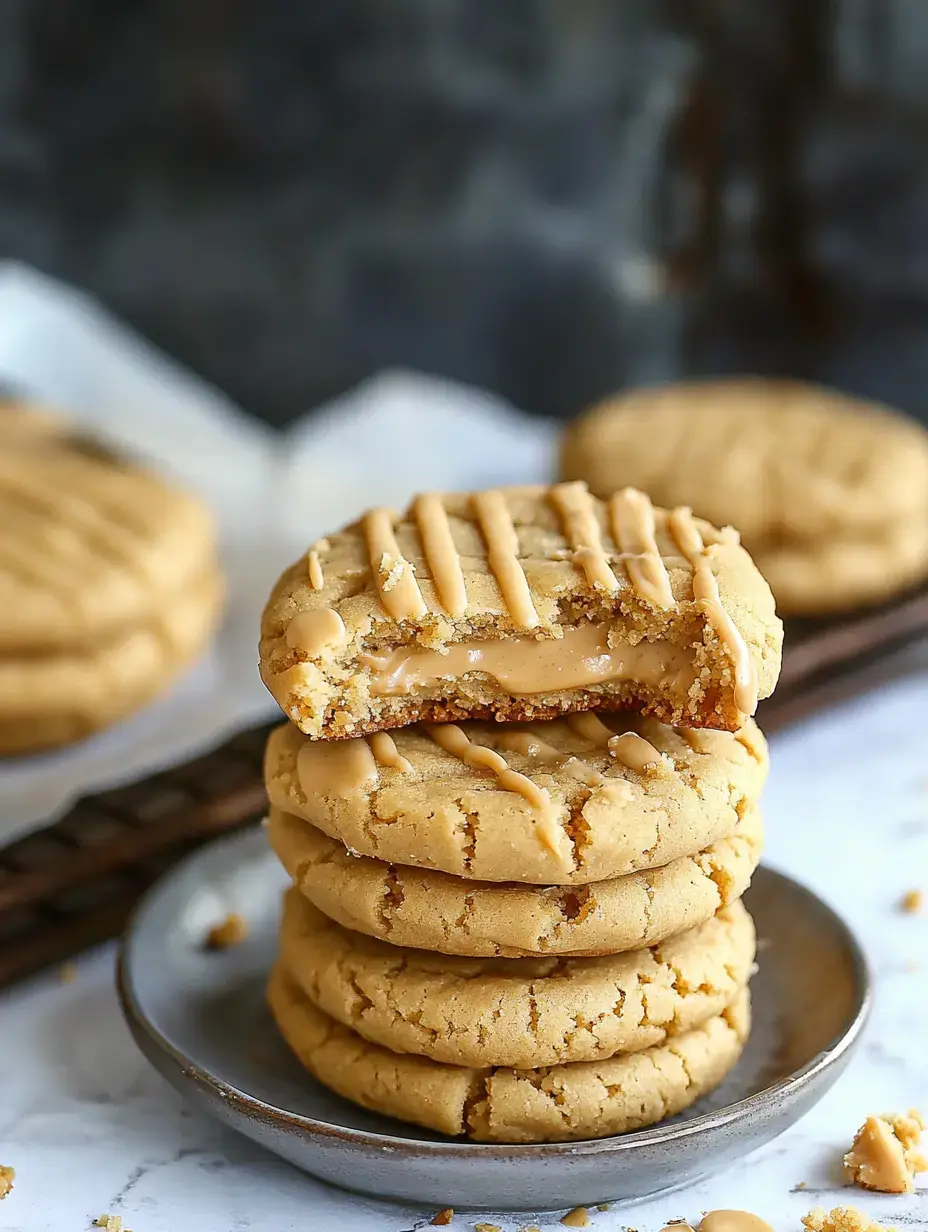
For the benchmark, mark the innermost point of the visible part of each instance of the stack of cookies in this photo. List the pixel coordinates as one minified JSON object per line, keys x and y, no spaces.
{"x":518,"y":802}
{"x":109,"y":584}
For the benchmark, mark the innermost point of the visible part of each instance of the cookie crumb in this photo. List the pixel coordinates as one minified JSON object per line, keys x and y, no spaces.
{"x":231,"y":931}
{"x":67,"y":973}
{"x":110,"y":1223}
{"x":912,"y":902}
{"x":443,"y":1217}
{"x":798,"y":1187}
{"x":885,"y":1155}
{"x":604,"y":1206}
{"x":841,"y":1219}
{"x":579,"y":1217}
{"x":487,"y":1227}
{"x":7,"y":1177}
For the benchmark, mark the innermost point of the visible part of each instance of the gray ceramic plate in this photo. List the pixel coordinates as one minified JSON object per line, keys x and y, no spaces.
{"x":200,"y":1018}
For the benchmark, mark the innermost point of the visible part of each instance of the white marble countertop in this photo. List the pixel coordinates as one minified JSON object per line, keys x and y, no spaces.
{"x":90,"y":1128}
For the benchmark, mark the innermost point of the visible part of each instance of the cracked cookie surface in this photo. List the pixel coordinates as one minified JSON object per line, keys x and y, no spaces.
{"x":429,"y":910}
{"x":520,"y":604}
{"x":829,"y":493}
{"x":570,"y":1102}
{"x":516,"y":1011}
{"x":564,"y":802}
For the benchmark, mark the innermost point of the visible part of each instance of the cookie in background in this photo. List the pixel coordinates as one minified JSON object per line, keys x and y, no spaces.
{"x":109,"y":584}
{"x":830,"y":494}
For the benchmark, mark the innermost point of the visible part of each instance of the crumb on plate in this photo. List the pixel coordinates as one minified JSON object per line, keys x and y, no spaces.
{"x":231,"y":931}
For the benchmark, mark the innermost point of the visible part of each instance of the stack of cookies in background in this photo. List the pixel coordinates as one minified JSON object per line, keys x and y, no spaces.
{"x":109,"y":584}
{"x":515,"y":914}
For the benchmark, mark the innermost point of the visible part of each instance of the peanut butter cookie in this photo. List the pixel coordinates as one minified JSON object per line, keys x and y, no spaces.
{"x":108,"y":586}
{"x":520,"y":604}
{"x":523,"y":1012}
{"x":429,"y":910}
{"x":566,"y":801}
{"x":830,"y":494}
{"x":585,"y":1099}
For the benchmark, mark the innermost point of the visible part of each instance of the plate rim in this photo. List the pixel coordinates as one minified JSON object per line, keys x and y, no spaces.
{"x":761,"y":1103}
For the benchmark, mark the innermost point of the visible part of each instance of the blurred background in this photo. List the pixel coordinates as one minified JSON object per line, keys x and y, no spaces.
{"x":548,"y":199}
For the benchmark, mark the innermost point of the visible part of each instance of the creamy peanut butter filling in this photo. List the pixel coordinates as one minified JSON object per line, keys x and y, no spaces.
{"x":523,"y":666}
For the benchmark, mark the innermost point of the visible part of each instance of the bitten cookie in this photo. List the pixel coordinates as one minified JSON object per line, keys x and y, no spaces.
{"x":563,"y":802}
{"x":520,"y":604}
{"x":108,"y":586}
{"x":434,"y":911}
{"x":830,"y":494}
{"x":586,"y":1099}
{"x":523,"y":1012}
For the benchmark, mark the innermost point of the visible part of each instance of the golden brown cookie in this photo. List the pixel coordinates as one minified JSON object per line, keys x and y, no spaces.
{"x":56,"y":699}
{"x":586,"y":1099}
{"x":108,"y":586}
{"x":830,"y":494}
{"x":515,"y":1011}
{"x":562,"y":802}
{"x":520,"y":604}
{"x":434,"y":911}
{"x":90,"y":546}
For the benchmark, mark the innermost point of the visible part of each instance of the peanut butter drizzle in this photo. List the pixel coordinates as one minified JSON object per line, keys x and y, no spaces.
{"x":581,"y":530}
{"x":335,"y":768}
{"x":451,"y":738}
{"x":635,"y":753}
{"x":632,"y":516}
{"x":733,"y":1221}
{"x":314,"y":564}
{"x":316,"y":630}
{"x":525,"y":666}
{"x":530,"y":746}
{"x":700,"y":741}
{"x":502,"y":542}
{"x":628,"y":748}
{"x":590,"y":727}
{"x":396,"y":582}
{"x":383,"y":746}
{"x":706,"y":592}
{"x":442,"y":556}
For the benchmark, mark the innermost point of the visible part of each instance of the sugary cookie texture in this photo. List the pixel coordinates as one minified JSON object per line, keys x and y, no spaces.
{"x":567,"y":801}
{"x":428,"y":910}
{"x":516,"y":604}
{"x":584,"y":1099}
{"x":510,"y":1011}
{"x":830,"y":494}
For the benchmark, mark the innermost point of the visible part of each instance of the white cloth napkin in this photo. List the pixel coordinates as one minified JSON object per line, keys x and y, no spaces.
{"x":272,"y":494}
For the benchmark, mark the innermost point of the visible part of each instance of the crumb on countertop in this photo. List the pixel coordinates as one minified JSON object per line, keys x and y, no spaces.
{"x":912,"y":901}
{"x":841,"y":1219}
{"x":231,"y":931}
{"x":885,"y":1155}
{"x":110,"y":1223}
{"x":487,"y":1227}
{"x":443,"y":1217}
{"x":579,"y":1217}
{"x":7,"y":1176}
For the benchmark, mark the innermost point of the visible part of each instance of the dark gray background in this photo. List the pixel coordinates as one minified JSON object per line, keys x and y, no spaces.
{"x":553,"y":199}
